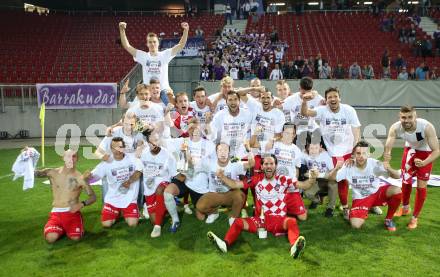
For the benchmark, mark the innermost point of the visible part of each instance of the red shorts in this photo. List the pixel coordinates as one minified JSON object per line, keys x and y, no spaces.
{"x":273,"y":223}
{"x":360,"y":207}
{"x":409,"y":169}
{"x":67,"y":223}
{"x":110,"y":212}
{"x":343,"y":158}
{"x":295,"y":204}
{"x":150,"y":200}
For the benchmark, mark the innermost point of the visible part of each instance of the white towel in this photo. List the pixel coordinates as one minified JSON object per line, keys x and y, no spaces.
{"x":24,"y":166}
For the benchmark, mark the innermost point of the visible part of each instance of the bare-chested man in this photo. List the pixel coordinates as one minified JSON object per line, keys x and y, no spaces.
{"x":67,"y":183}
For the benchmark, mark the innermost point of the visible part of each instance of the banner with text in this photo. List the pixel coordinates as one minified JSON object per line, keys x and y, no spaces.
{"x":77,"y":95}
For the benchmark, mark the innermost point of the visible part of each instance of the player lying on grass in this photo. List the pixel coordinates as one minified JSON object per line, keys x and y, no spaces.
{"x":270,"y":192}
{"x":367,"y":190}
{"x":67,"y":184}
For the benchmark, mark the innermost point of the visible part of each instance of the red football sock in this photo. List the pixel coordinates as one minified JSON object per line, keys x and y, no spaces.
{"x":343,"y":192}
{"x":160,"y":210}
{"x":406,"y":193}
{"x":420,"y":199}
{"x":234,"y":231}
{"x":292,"y":230}
{"x":393,"y":205}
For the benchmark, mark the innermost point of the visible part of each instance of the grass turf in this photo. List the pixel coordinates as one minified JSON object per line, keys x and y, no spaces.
{"x":333,"y":248}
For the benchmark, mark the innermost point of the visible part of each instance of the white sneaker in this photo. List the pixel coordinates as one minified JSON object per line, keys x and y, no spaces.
{"x":156,"y":231}
{"x":211,"y":218}
{"x":231,"y":221}
{"x":221,"y":245}
{"x":187,"y":209}
{"x":145,"y":212}
{"x":376,"y":210}
{"x":244,"y":213}
{"x":298,"y":247}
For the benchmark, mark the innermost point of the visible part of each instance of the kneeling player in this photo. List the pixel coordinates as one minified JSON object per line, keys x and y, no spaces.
{"x":367,"y":190}
{"x":67,"y":184}
{"x":270,"y":192}
{"x":122,"y":174}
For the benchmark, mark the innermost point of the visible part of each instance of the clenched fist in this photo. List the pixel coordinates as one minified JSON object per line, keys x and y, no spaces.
{"x":122,"y":25}
{"x":185,"y":25}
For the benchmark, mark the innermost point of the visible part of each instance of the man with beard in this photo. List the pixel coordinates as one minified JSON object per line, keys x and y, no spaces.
{"x":340,"y":128}
{"x":421,"y":150}
{"x":270,"y":190}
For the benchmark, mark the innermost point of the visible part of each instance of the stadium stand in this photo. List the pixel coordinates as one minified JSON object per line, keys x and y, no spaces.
{"x":81,"y":47}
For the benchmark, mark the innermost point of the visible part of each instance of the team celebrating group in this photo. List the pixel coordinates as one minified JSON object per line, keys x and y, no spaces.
{"x":216,"y":148}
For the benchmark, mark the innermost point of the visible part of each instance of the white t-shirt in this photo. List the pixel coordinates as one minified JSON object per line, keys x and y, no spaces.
{"x":116,"y":173}
{"x":276,"y":74}
{"x":231,"y":170}
{"x":289,"y":158}
{"x":155,"y":66}
{"x":130,"y":141}
{"x":157,"y":169}
{"x":271,"y":122}
{"x":323,"y":162}
{"x":151,"y":115}
{"x":201,"y":152}
{"x":303,"y":123}
{"x":336,"y":128}
{"x":363,"y":182}
{"x":233,"y":72}
{"x":200,"y":114}
{"x":232,"y":130}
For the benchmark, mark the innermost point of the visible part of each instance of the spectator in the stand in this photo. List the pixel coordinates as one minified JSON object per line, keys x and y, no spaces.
{"x":422,"y":72}
{"x":434,"y":75}
{"x":399,"y":63}
{"x":403,"y":36}
{"x":412,"y":74}
{"x":317,"y":65}
{"x":276,"y":73}
{"x":426,"y":47}
{"x":218,"y":71}
{"x":411,"y":32}
{"x":368,"y":72}
{"x":254,"y":6}
{"x":262,"y":71}
{"x":279,"y":53}
{"x":241,"y":74}
{"x":233,"y":72}
{"x":354,"y":72}
{"x":290,"y":71}
{"x":246,"y":8}
{"x":199,"y":32}
{"x":436,"y":37}
{"x":325,"y":72}
{"x":339,"y":72}
{"x":228,"y":13}
{"x":299,"y":62}
{"x":403,"y":75}
{"x":307,"y":71}
{"x":205,"y":74}
{"x":274,"y":35}
{"x":386,"y":65}
{"x":311,"y":62}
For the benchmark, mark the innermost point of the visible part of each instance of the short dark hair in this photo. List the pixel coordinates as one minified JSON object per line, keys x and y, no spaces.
{"x":119,"y":139}
{"x":217,"y":145}
{"x":306,"y":83}
{"x":289,"y":125}
{"x":154,"y":81}
{"x":270,"y":156}
{"x":199,"y":88}
{"x":407,"y":109}
{"x":330,"y":89}
{"x":361,"y":143}
{"x":232,"y":92}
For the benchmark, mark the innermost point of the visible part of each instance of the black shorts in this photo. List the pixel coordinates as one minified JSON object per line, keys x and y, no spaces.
{"x":183,"y":190}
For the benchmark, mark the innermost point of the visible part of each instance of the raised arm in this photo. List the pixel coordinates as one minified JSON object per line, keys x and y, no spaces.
{"x":228,"y":181}
{"x":122,"y":98}
{"x":39,"y":173}
{"x":179,"y":47}
{"x":389,"y":143}
{"x":130,"y":49}
{"x":304,"y":108}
